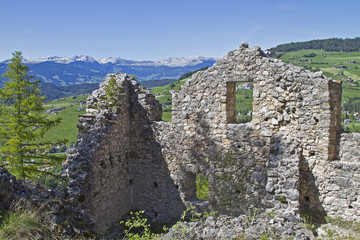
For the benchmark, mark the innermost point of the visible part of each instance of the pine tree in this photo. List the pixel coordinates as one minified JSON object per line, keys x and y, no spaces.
{"x":23,"y":122}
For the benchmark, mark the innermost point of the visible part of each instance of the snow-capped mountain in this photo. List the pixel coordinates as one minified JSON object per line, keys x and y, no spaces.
{"x":64,"y":60}
{"x":63,"y":71}
{"x":170,"y":62}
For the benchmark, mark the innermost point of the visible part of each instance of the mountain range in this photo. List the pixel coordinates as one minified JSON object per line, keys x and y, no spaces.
{"x":64,"y":71}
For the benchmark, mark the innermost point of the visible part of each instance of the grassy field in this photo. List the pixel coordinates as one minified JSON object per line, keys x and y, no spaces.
{"x":70,"y":114}
{"x":163,"y":95}
{"x":326,"y":61}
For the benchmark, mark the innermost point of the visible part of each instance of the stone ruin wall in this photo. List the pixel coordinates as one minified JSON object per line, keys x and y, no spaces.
{"x":341,"y":181}
{"x":290,"y":157}
{"x":117,"y":165}
{"x":292,"y":120}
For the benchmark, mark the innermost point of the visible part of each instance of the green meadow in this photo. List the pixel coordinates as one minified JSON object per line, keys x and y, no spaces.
{"x":70,"y":113}
{"x":317,"y":60}
{"x":163,"y":95}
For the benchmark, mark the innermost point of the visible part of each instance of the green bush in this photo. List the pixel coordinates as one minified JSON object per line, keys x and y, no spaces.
{"x":136,"y":227}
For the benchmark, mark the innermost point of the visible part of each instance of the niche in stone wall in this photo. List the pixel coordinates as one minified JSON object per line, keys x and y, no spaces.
{"x":239,"y":101}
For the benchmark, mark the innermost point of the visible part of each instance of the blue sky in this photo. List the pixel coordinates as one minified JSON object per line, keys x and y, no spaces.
{"x":158,"y":29}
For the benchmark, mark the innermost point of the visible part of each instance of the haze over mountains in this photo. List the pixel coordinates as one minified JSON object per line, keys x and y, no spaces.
{"x":64,"y":71}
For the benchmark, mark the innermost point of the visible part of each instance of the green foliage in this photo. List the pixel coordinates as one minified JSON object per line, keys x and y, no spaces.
{"x":133,"y":76}
{"x":265,"y":236}
{"x":252,"y":214}
{"x":111,"y":91}
{"x":308,"y":223}
{"x":202,"y":187}
{"x":23,"y":123}
{"x":192,"y":215}
{"x":271,"y":213}
{"x":310,"y":218}
{"x":136,"y":227}
{"x":166,"y":114}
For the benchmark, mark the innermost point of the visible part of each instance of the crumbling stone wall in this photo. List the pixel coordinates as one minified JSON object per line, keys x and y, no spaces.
{"x":294,"y":118}
{"x":341,"y":183}
{"x":117,"y":165}
{"x":290,"y":157}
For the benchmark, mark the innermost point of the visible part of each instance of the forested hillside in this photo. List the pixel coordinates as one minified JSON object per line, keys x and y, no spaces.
{"x":330,"y":45}
{"x":52,"y":91}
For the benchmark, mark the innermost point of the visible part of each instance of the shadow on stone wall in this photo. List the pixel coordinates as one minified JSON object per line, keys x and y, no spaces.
{"x":153,"y":189}
{"x":309,"y":202}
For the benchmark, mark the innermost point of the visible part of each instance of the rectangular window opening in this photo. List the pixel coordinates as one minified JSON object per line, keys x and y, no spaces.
{"x":239,"y":102}
{"x":196,"y":187}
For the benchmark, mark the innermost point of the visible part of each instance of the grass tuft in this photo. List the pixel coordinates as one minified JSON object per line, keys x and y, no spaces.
{"x":21,"y":225}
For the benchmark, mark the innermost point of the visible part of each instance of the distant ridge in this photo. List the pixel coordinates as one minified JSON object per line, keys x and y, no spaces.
{"x":65,"y":71}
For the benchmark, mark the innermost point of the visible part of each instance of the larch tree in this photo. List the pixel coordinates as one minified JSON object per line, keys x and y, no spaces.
{"x":23,"y":122}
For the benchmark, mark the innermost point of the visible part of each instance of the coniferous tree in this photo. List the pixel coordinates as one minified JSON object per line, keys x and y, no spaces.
{"x":23,"y":123}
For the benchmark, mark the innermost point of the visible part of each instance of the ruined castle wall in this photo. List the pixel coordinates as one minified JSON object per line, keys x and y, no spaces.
{"x":291,"y":156}
{"x":98,"y":169}
{"x":292,"y":120}
{"x":117,"y":165}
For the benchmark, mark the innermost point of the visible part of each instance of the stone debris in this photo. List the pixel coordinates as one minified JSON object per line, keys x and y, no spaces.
{"x":262,"y":226}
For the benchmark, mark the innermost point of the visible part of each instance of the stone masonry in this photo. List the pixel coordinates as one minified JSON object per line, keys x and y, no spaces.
{"x":292,"y":156}
{"x":117,"y":165}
